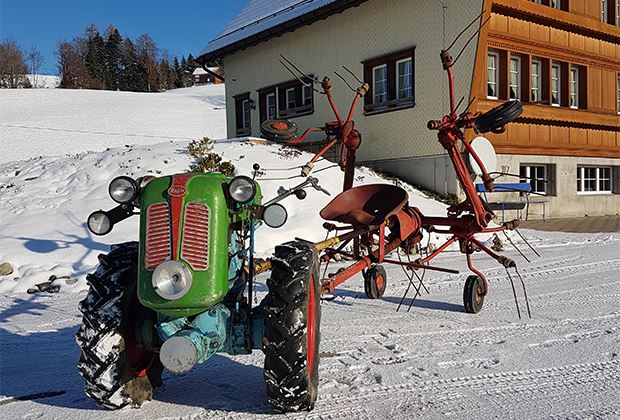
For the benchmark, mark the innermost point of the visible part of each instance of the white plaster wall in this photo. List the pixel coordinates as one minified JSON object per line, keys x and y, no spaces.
{"x":375,"y":28}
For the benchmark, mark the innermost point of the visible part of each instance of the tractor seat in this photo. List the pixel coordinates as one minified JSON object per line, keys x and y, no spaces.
{"x":366,"y":205}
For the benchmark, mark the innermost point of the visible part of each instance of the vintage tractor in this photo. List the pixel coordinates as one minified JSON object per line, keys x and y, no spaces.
{"x":177,"y":297}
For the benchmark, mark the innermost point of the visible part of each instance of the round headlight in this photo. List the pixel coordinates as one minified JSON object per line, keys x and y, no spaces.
{"x":171,"y":280}
{"x":99,"y":223}
{"x":275,"y":215}
{"x":242,"y":189}
{"x":123,"y":189}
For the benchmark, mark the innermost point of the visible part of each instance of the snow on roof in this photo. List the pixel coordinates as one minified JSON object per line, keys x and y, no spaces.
{"x":260,"y":15}
{"x":200,"y":70}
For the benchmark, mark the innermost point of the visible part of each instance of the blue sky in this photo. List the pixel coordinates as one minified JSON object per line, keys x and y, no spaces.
{"x":179,"y":27}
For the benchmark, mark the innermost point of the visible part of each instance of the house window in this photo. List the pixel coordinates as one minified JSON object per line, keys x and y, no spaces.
{"x":536,"y":175}
{"x":294,"y":98}
{"x":574,"y":87}
{"x":307,"y":93}
{"x":604,"y":11}
{"x":380,"y":84}
{"x":556,"y":4}
{"x":536,"y":80}
{"x":492,"y":75}
{"x":618,"y":92}
{"x":243,"y":114}
{"x":555,"y":84}
{"x":290,"y":99}
{"x":618,"y":13}
{"x":404,"y":78}
{"x":391,"y":79}
{"x":272,"y":109}
{"x":515,"y":78}
{"x":593,"y":179}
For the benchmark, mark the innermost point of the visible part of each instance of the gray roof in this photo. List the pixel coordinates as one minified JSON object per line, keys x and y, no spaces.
{"x":260,"y":20}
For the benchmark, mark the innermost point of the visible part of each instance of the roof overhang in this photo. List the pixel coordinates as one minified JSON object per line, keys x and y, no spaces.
{"x":290,"y":25}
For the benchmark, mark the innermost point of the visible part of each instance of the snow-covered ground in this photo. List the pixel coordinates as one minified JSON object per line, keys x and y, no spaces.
{"x":59,"y":151}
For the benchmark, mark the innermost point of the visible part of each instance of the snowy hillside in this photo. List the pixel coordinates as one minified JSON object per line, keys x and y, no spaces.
{"x":69,"y":137}
{"x":44,"y":81}
{"x":60,"y":149}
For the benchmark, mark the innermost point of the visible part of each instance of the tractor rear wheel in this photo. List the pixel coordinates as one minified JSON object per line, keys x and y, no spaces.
{"x":117,"y":369}
{"x":473,"y":294}
{"x":292,"y":320}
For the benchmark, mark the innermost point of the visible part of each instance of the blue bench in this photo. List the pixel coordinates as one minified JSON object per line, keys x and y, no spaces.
{"x":522,"y":187}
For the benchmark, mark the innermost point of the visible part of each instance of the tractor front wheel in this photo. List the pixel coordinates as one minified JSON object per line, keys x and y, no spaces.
{"x":292,"y":320}
{"x":117,"y":369}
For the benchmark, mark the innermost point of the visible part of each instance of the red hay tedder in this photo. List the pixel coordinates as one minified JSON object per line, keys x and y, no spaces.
{"x":377,"y":219}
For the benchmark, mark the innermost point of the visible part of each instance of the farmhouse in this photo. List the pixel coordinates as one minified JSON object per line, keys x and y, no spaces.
{"x":202,"y":77}
{"x":561,"y":58}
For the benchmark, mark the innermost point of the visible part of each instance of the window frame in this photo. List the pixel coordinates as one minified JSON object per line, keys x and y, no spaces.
{"x":558,"y":66}
{"x":241,"y":128}
{"x":388,"y":101}
{"x":574,"y":87}
{"x":581,"y":180}
{"x":533,"y":180}
{"x":538,"y":85}
{"x":618,"y":92}
{"x":398,"y":76}
{"x":495,"y":55}
{"x":267,"y":106}
{"x":517,"y":59}
{"x":374,"y":84}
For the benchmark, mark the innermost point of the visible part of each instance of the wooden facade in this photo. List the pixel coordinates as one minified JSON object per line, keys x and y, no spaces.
{"x":559,"y":41}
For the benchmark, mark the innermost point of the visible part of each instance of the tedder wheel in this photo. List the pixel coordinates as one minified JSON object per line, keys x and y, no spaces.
{"x":375,"y":281}
{"x":118,"y":371}
{"x":495,"y":119}
{"x":278,"y":130}
{"x":473,"y":294}
{"x":292,"y":320}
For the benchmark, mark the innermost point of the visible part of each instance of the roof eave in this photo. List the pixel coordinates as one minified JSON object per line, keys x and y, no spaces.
{"x":306,"y":19}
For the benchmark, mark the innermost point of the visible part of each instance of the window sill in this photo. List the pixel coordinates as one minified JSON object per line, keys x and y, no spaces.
{"x":586,"y":193}
{"x":389,"y":106}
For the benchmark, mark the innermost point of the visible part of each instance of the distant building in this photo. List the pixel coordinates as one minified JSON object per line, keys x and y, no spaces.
{"x":561,"y":58}
{"x":201,"y":77}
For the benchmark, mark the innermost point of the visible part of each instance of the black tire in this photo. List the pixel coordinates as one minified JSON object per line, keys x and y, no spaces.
{"x":496,"y":118}
{"x":117,"y":371}
{"x":375,"y":281}
{"x":292,"y":321}
{"x":473,"y":294}
{"x":278,"y":130}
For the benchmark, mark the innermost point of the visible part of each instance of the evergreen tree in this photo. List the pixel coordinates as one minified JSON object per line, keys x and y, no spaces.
{"x":94,"y":55}
{"x":112,"y":58}
{"x":178,"y":74}
{"x":146,"y":49}
{"x":165,"y":74}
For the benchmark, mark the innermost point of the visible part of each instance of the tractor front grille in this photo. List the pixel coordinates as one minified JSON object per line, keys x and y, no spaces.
{"x":195,"y":246}
{"x":157,"y":235}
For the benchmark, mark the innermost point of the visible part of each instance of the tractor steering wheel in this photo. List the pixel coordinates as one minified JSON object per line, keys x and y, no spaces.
{"x":495,"y":119}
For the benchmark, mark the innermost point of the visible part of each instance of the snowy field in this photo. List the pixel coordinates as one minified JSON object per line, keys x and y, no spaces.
{"x":59,"y":151}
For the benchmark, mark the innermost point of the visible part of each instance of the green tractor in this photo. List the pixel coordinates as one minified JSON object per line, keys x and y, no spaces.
{"x":178,"y":296}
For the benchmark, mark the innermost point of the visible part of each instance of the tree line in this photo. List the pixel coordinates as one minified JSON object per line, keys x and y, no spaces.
{"x":113,"y":62}
{"x":15,"y":66}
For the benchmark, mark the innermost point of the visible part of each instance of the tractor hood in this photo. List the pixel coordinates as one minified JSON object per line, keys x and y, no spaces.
{"x":184,"y":234}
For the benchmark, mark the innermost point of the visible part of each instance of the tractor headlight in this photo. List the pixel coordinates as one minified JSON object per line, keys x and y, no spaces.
{"x":242,"y":189}
{"x":123,"y":189}
{"x":171,"y":280}
{"x":99,"y":223}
